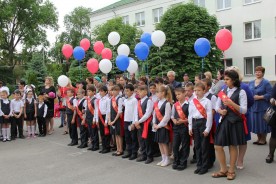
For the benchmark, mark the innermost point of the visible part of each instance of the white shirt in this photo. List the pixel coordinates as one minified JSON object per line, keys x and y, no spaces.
{"x":213,"y":100}
{"x":98,"y":96}
{"x":242,"y":100}
{"x":194,"y":113}
{"x":174,"y":111}
{"x":86,"y":107}
{"x":191,"y":98}
{"x":120,"y":105}
{"x":130,"y":108}
{"x":104,"y":107}
{"x":148,"y":112}
{"x":16,"y":106}
{"x":154,"y":98}
{"x":45,"y":108}
{"x":166,"y":117}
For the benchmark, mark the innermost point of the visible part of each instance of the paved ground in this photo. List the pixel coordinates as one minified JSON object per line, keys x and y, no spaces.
{"x":50,"y":160}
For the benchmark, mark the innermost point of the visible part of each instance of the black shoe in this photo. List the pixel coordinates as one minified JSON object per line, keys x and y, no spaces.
{"x":100,"y":151}
{"x":60,"y":126}
{"x":39,"y":135}
{"x":203,"y":171}
{"x":174,"y":166}
{"x":74,"y":144}
{"x":95,"y":149}
{"x":149,"y":160}
{"x":197,"y":171}
{"x":269,"y":159}
{"x":141,"y":159}
{"x":12,"y":138}
{"x":79,"y":146}
{"x":90,"y":149}
{"x":105,"y":151}
{"x":127,"y":155}
{"x":22,"y":137}
{"x":211,"y":166}
{"x":181,"y":167}
{"x":82,"y":146}
{"x":193,"y":161}
{"x":70,"y":144}
{"x":133,"y":157}
{"x":43,"y":135}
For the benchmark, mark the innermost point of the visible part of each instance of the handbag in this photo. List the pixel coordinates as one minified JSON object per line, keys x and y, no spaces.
{"x":270,"y":117}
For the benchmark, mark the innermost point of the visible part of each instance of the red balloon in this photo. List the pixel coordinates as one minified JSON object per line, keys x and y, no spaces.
{"x":67,"y":51}
{"x":107,"y":53}
{"x":98,"y":47}
{"x":92,"y":65}
{"x":224,"y":39}
{"x":85,"y":44}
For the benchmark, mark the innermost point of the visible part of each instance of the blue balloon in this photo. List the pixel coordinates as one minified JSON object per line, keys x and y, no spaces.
{"x":142,"y":51}
{"x":78,"y":53}
{"x":122,"y":62}
{"x":146,"y":38}
{"x":202,"y":47}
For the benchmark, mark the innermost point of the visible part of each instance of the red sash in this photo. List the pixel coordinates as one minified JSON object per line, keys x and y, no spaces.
{"x":115,"y":107}
{"x":200,"y":108}
{"x":146,"y":123}
{"x":80,"y":114}
{"x":180,"y":112}
{"x":91,"y":109}
{"x":224,"y":97}
{"x":69,"y":106}
{"x":106,"y":130}
{"x":159,"y":116}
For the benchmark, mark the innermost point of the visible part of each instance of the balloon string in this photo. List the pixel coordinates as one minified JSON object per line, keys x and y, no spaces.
{"x":224,"y":59}
{"x":202,"y":66}
{"x":160,"y":62}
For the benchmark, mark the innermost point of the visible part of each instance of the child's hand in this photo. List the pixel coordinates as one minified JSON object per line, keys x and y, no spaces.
{"x":223,"y":112}
{"x":105,"y":125}
{"x":73,"y":121}
{"x":25,"y":116}
{"x":65,"y":120}
{"x":228,"y":102}
{"x":174,"y":121}
{"x":83,"y":122}
{"x":137,"y":125}
{"x":155,"y":127}
{"x":97,"y":123}
{"x":35,"y":115}
{"x":191,"y":132}
{"x":205,"y":134}
{"x":132,"y":126}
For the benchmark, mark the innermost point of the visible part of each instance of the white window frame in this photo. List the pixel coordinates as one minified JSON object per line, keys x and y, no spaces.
{"x":253,"y":65}
{"x":225,"y":27}
{"x":253,"y":31}
{"x":223,"y":6}
{"x":198,"y":3}
{"x":160,"y":14}
{"x":125,"y":19}
{"x":140,"y":14}
{"x":252,"y":2}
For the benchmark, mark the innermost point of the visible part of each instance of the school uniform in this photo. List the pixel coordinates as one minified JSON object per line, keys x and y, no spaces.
{"x":16,"y":123}
{"x":145,"y":135}
{"x":42,"y":109}
{"x":30,"y":109}
{"x":6,"y":110}
{"x":102,"y":107}
{"x":90,"y":117}
{"x":70,"y":108}
{"x":156,"y":150}
{"x":83,"y":128}
{"x":116,"y":106}
{"x":198,"y":124}
{"x":190,"y":99}
{"x":181,"y":137}
{"x":130,"y":136}
{"x":154,"y":98}
{"x":231,"y":128}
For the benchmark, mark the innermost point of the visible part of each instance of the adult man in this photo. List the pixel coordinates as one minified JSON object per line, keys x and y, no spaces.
{"x":172,"y":81}
{"x":186,"y":80}
{"x":104,"y":80}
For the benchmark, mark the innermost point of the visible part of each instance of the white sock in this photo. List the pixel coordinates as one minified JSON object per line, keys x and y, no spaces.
{"x":29,"y":130}
{"x":8,"y":130}
{"x":163,"y":157}
{"x":4,"y":133}
{"x":33,"y":130}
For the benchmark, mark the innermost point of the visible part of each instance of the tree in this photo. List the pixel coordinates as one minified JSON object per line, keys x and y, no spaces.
{"x":183,"y":25}
{"x":24,"y":22}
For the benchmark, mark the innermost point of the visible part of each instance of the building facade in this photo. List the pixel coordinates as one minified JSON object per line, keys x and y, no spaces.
{"x":252,"y":23}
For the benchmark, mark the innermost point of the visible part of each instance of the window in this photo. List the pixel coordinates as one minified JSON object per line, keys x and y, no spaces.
{"x":200,"y":3}
{"x":252,"y":30}
{"x":223,"y":4}
{"x":229,"y":27}
{"x":140,"y":19}
{"x":250,"y":1}
{"x":126,"y":19}
{"x":251,"y":63}
{"x":227,"y":62}
{"x":157,"y":14}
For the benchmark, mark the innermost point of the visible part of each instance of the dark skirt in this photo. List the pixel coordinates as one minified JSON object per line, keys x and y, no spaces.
{"x":117,"y":127}
{"x":50,"y":113}
{"x":162,"y":136}
{"x":4,"y":121}
{"x":30,"y":116}
{"x":229,"y":133}
{"x":273,"y":132}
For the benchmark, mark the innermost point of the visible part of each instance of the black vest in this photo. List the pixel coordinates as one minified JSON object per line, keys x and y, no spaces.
{"x":40,"y":111}
{"x":5,"y":107}
{"x":162,"y":111}
{"x":113,"y":113}
{"x":69,"y":111}
{"x":89,"y":115}
{"x":80,"y":106}
{"x":144,"y":105}
{"x":209,"y":96}
{"x":30,"y":107}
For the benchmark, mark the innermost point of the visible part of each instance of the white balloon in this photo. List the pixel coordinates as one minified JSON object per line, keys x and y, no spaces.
{"x":132,"y":67}
{"x":123,"y":49}
{"x":105,"y":66}
{"x":63,"y":81}
{"x":114,"y":38}
{"x":158,"y":38}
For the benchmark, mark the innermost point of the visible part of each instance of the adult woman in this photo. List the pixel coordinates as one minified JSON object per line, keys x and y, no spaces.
{"x":123,"y":81}
{"x":220,"y":82}
{"x":272,"y":140}
{"x":230,"y":131}
{"x":261,"y":89}
{"x":50,"y":102}
{"x":89,"y":80}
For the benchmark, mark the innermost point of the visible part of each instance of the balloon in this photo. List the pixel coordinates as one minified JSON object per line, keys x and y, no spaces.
{"x":92,"y":65}
{"x":106,"y":53}
{"x":122,"y":62}
{"x":158,"y":38}
{"x":63,"y":80}
{"x":202,"y":47}
{"x":98,"y":47}
{"x":51,"y":94}
{"x":67,"y":51}
{"x":142,"y":51}
{"x":123,"y":49}
{"x":146,"y":38}
{"x":224,"y":39}
{"x":85,"y":44}
{"x":114,"y":38}
{"x":105,"y":66}
{"x":79,"y":53}
{"x":133,"y":66}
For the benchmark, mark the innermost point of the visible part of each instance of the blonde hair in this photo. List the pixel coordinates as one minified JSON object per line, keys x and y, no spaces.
{"x":236,"y":69}
{"x":208,"y":75}
{"x":168,"y":93}
{"x":51,"y":80}
{"x":171,"y":72}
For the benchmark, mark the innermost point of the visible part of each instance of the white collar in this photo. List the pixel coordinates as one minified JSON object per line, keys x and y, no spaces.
{"x":231,"y":89}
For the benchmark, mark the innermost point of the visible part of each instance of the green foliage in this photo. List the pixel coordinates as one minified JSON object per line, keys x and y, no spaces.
{"x":78,"y":72}
{"x":55,"y":70}
{"x":183,"y":25}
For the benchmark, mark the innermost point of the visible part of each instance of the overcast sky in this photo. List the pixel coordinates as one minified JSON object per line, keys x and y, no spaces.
{"x":66,"y":6}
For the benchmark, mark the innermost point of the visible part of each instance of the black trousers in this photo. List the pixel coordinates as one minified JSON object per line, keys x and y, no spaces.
{"x":73,"y":132}
{"x":83,"y":131}
{"x":131,"y":139}
{"x":105,"y":138}
{"x":16,"y":123}
{"x":181,"y":144}
{"x":202,"y":143}
{"x":42,"y":125}
{"x":93,"y":134}
{"x":146,"y":145}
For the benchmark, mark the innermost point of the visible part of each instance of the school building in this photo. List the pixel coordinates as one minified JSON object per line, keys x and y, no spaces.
{"x":252,"y":23}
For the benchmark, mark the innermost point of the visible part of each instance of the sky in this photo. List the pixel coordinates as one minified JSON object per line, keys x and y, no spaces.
{"x":66,"y":6}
